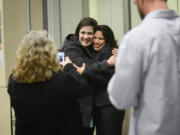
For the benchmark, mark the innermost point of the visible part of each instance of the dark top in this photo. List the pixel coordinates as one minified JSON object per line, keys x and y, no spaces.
{"x":100,"y":73}
{"x":49,"y":107}
{"x":79,"y":55}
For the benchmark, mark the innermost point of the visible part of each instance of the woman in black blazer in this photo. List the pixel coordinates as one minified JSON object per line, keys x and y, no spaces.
{"x":43,"y":95}
{"x":78,"y":47}
{"x":108,"y":120}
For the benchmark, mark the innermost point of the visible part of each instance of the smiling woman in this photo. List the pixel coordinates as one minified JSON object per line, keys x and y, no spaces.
{"x":78,"y":48}
{"x":99,"y":41}
{"x":104,"y":36}
{"x":108,"y":120}
{"x":86,"y":35}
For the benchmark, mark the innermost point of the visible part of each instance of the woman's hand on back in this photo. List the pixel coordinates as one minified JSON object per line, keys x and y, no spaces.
{"x":80,"y":69}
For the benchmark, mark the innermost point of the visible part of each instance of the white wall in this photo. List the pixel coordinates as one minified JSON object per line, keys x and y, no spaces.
{"x":70,"y":15}
{"x":172,"y":4}
{"x":93,"y":9}
{"x":135,"y":19}
{"x":63,"y":17}
{"x":54,"y":20}
{"x":109,"y":12}
{"x":67,"y":13}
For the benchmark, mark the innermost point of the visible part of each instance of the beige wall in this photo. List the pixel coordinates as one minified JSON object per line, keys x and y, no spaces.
{"x":5,"y":128}
{"x":13,"y":29}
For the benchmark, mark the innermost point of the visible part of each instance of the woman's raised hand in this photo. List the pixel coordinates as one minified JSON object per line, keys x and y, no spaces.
{"x":112,"y":60}
{"x":114,"y":51}
{"x":67,"y":60}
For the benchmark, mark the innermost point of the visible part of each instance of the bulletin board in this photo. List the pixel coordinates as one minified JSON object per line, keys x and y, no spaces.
{"x":1,"y":52}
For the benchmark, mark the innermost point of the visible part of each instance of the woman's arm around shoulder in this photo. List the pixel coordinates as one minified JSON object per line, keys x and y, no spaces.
{"x":75,"y":83}
{"x":74,"y":52}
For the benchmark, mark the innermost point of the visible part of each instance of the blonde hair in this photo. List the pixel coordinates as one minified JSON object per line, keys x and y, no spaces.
{"x":36,"y":58}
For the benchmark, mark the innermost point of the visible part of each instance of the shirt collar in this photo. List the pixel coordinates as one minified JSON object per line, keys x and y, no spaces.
{"x":163,"y":13}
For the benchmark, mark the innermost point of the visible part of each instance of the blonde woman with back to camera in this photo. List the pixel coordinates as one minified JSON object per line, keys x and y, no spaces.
{"x":43,"y":95}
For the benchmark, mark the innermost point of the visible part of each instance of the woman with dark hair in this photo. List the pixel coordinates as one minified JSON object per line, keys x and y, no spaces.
{"x":108,"y":120}
{"x":78,"y":47}
{"x":43,"y":95}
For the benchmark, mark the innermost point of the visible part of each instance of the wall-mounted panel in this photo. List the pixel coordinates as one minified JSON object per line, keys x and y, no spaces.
{"x":36,"y":14}
{"x":117,"y":19}
{"x":54,"y":20}
{"x":173,"y":4}
{"x":104,"y":12}
{"x":85,"y":8}
{"x":70,"y":15}
{"x":93,"y":9}
{"x":63,"y":17}
{"x":111,"y":13}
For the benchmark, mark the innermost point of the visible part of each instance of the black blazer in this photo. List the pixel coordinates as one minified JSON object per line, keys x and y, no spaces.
{"x":79,"y":55}
{"x":100,"y":73}
{"x":49,"y":107}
